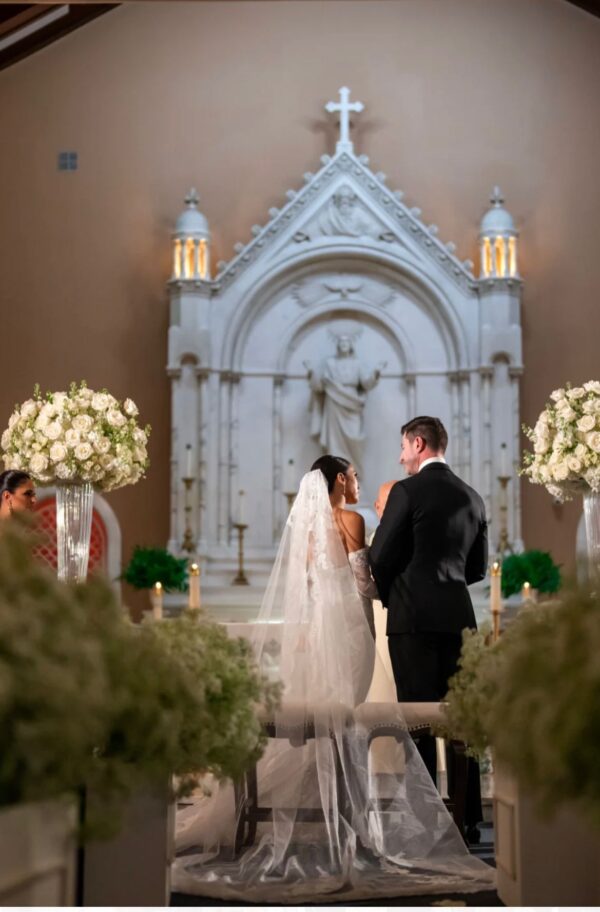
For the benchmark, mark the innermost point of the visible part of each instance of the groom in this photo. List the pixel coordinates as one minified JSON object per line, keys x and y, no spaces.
{"x":430,"y":545}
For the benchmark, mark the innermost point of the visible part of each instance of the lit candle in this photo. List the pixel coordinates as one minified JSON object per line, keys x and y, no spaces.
{"x":504,"y":472}
{"x":526,"y":594}
{"x":189,"y":463}
{"x":156,"y":597}
{"x":496,"y":597}
{"x":194,"y":591}
{"x":241,"y":509}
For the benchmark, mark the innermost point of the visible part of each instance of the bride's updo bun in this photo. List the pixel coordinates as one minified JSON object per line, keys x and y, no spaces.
{"x":331,"y":466}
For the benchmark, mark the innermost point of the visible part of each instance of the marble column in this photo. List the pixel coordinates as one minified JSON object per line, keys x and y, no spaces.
{"x":486,"y":375}
{"x":515,"y":374}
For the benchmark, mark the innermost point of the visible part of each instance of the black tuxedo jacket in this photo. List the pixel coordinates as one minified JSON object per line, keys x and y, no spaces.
{"x":430,"y":545}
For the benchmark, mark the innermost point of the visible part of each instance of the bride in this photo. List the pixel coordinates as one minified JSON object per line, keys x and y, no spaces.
{"x":335,"y":824}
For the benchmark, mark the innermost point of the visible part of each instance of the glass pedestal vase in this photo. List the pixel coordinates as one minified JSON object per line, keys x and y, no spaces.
{"x":74,"y":503}
{"x":591,"y":510}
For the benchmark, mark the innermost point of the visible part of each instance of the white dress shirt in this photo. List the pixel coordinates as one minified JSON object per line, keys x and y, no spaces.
{"x":431,"y":459}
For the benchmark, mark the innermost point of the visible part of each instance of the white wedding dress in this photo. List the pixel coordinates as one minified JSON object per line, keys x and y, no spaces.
{"x":373,"y":831}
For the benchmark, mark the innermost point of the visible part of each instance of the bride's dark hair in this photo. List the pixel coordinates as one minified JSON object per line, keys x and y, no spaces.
{"x":331,"y":466}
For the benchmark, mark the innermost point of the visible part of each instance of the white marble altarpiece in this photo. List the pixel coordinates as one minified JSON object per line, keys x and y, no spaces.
{"x":342,"y":318}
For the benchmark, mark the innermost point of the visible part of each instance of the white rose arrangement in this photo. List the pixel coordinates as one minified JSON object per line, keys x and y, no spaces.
{"x":566,"y":442}
{"x":77,"y":436}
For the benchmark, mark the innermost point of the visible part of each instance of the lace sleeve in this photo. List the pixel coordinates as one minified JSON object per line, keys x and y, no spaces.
{"x":359,"y":561}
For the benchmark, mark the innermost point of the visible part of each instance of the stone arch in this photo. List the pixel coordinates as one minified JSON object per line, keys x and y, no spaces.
{"x":409,"y":277}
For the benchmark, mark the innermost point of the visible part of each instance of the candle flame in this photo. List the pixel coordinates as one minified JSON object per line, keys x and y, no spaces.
{"x":194,"y":570}
{"x":496,"y":570}
{"x":157,"y":587}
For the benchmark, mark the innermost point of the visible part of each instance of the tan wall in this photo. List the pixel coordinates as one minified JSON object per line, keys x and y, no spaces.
{"x":460,"y":94}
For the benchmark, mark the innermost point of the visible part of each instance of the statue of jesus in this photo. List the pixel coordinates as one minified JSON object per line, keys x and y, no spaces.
{"x":339,"y":392}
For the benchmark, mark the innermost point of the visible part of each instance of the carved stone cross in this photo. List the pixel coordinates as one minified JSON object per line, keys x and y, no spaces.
{"x":345,"y":107}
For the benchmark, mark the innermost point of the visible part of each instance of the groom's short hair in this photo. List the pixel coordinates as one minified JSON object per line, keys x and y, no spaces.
{"x":430,"y":429}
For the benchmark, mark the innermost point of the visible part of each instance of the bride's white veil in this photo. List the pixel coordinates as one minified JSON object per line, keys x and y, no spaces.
{"x":330,"y":824}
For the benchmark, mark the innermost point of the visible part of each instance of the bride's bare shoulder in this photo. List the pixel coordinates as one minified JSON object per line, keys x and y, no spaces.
{"x":352,"y":528}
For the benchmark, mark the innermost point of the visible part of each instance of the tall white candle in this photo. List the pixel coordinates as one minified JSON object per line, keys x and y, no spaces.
{"x":241,"y":509}
{"x":189,"y":462}
{"x":504,"y":471}
{"x":194,"y":590}
{"x":156,"y":597}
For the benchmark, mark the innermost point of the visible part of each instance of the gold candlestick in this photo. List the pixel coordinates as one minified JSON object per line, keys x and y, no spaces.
{"x":496,"y":598}
{"x":504,"y":545}
{"x":188,"y":537}
{"x":241,"y":579}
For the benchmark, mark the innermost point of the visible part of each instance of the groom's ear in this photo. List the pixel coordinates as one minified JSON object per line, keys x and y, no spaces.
{"x":421,"y":443}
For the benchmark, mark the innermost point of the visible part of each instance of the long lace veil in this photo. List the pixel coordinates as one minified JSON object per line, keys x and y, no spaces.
{"x":342,"y":819}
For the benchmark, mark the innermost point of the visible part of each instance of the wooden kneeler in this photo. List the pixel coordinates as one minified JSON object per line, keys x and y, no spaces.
{"x":296,"y":723}
{"x":381,"y":720}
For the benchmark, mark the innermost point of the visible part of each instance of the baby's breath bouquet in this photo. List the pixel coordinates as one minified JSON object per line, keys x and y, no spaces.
{"x":534,"y":697}
{"x":566,"y":442}
{"x":77,"y":436}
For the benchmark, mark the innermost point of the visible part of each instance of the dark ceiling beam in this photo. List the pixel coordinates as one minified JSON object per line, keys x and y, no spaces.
{"x":76,"y":16}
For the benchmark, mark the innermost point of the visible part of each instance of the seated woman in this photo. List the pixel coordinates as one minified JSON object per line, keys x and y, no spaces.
{"x":17,"y":493}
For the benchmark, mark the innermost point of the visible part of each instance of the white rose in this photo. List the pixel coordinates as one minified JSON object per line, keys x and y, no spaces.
{"x":557,"y":394}
{"x":567,"y":413}
{"x":577,"y":393}
{"x":39,"y":463}
{"x":574,"y":464}
{"x":5,"y":442}
{"x":586,"y":423}
{"x":41,"y":421}
{"x":100,"y":402}
{"x":541,"y":445}
{"x":58,"y":452}
{"x":580,"y":451}
{"x":29,"y":409}
{"x":139,"y":436}
{"x":106,"y":461}
{"x":27,"y":434}
{"x":49,"y":410}
{"x":53,"y":431}
{"x":115,"y":418}
{"x":102,"y":445}
{"x":593,"y":441}
{"x":140,"y":454}
{"x":130,"y":408}
{"x":72,"y":438}
{"x":83,"y":451}
{"x":13,"y":420}
{"x":59,"y":399}
{"x":64,"y":472}
{"x":560,"y":472}
{"x":592,"y":386}
{"x":82,"y":423}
